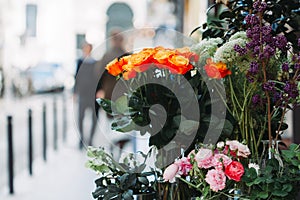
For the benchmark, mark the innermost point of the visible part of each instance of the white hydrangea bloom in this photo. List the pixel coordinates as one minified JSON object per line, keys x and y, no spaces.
{"x":226,"y":52}
{"x":207,"y":47}
{"x":239,"y":35}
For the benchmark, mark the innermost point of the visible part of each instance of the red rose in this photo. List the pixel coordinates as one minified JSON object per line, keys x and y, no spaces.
{"x":234,"y":171}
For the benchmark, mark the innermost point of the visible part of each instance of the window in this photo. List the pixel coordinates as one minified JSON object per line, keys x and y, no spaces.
{"x":31,"y":13}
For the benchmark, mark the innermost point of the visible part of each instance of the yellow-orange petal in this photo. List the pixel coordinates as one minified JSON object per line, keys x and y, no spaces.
{"x":114,"y":67}
{"x":162,"y":56}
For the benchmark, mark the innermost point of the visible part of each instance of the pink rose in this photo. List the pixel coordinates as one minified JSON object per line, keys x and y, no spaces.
{"x":220,"y":160}
{"x":242,"y":150}
{"x":204,"y":158}
{"x":216,"y":179}
{"x":184,"y":165}
{"x":170,"y":173}
{"x":233,"y":144}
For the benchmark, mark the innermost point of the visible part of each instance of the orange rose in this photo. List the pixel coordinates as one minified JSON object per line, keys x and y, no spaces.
{"x":179,"y":64}
{"x":185,"y":51}
{"x":216,"y":70}
{"x":114,"y":67}
{"x":139,"y":58}
{"x":128,"y":67}
{"x":162,"y":56}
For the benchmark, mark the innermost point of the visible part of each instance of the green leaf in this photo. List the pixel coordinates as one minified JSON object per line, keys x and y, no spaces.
{"x":287,"y":187}
{"x":113,"y":189}
{"x":123,"y":124}
{"x":122,"y":104}
{"x":99,"y":191}
{"x":106,"y":104}
{"x":128,"y":195}
{"x":263,"y":195}
{"x":143,"y":180}
{"x":279,"y":193}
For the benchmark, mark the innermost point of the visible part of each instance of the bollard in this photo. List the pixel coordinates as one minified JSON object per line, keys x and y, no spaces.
{"x":55,"y":134}
{"x":44,"y":132}
{"x":64,"y":128}
{"x":10,"y":155}
{"x":30,"y":144}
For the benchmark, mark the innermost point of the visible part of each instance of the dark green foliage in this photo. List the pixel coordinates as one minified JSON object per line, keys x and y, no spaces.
{"x":282,"y":15}
{"x":275,"y":181}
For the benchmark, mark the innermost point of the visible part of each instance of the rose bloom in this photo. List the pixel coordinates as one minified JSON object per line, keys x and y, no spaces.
{"x":114,"y":67}
{"x":242,"y":150}
{"x":216,"y":70}
{"x":140,"y":58}
{"x":234,"y":171}
{"x":170,"y":173}
{"x":162,"y":56}
{"x":220,"y":160}
{"x":179,"y":64}
{"x":184,"y":165}
{"x":216,"y":179}
{"x":204,"y":158}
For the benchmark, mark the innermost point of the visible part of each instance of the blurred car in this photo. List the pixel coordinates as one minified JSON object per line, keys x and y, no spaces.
{"x":41,"y":78}
{"x":46,"y":77}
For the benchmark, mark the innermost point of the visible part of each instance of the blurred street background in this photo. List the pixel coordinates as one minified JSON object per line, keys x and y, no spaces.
{"x":40,"y":42}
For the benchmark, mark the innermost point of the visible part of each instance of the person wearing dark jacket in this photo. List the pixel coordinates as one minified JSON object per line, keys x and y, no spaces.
{"x":84,"y":90}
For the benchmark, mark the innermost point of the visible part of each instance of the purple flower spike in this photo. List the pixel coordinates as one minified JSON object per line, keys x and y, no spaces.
{"x":253,"y":68}
{"x":281,"y":42}
{"x":239,"y":49}
{"x":260,"y":6}
{"x":269,"y":86}
{"x":285,"y":67}
{"x":291,"y":89}
{"x":256,"y":99}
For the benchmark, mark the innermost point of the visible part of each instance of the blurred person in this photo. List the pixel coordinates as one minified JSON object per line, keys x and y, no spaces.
{"x":84,"y":90}
{"x":107,"y":82}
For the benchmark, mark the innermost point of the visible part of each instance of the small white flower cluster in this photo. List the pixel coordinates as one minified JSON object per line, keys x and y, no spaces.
{"x":226,"y":52}
{"x":239,"y":35}
{"x":206,"y":48}
{"x":255,"y":166}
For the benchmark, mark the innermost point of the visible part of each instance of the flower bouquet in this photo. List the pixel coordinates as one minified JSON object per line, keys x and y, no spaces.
{"x":216,"y":110}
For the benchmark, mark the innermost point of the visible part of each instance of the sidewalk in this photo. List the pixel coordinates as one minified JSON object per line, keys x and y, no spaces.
{"x":63,"y":177}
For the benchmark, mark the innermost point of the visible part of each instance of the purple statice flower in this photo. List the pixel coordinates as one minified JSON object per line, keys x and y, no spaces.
{"x":256,"y":50}
{"x":242,"y":51}
{"x":254,"y":68}
{"x":297,"y":66}
{"x":281,"y":42}
{"x":251,"y":19}
{"x":291,"y":89}
{"x":256,"y":99}
{"x":260,"y":6}
{"x":268,"y":86}
{"x":268,"y":52}
{"x":266,"y":30}
{"x":285,"y":67}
